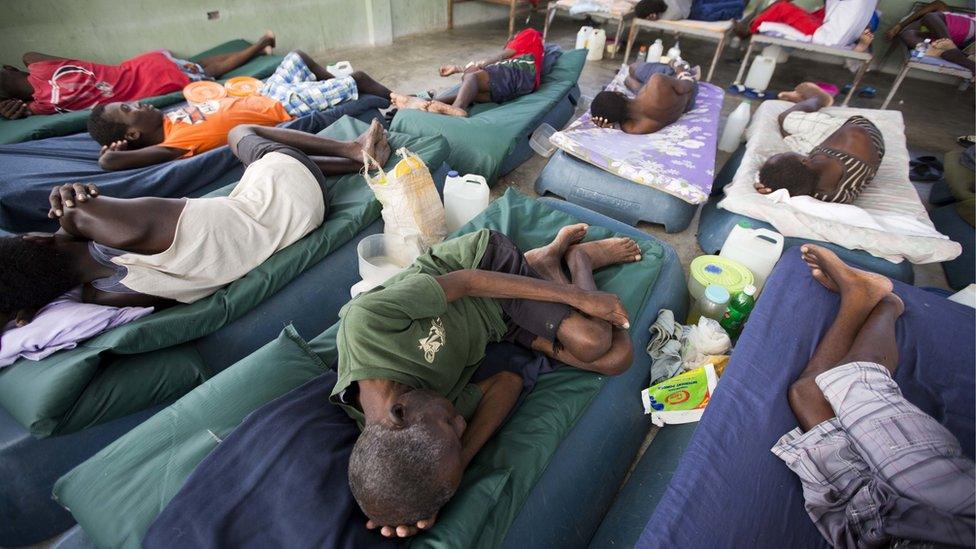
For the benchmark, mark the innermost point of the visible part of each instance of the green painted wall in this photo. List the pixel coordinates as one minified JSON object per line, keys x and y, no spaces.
{"x":110,"y":31}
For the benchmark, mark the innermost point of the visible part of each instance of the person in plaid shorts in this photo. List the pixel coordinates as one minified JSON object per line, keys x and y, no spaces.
{"x":876,"y":470}
{"x":303,"y":86}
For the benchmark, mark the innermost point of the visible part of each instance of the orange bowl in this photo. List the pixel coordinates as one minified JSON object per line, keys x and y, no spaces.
{"x":199,"y":92}
{"x":241,"y":86}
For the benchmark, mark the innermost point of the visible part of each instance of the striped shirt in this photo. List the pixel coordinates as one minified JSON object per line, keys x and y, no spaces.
{"x":857,"y":172}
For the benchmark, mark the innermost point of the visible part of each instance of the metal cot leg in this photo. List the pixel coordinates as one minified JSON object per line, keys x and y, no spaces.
{"x":857,"y":80}
{"x":894,"y":87}
{"x":745,"y":61}
{"x":550,"y":15}
{"x":630,"y":39}
{"x":718,"y":55}
{"x":616,"y":39}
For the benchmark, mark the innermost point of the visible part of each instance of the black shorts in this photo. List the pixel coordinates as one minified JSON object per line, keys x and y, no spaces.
{"x":252,"y":148}
{"x":526,"y":319}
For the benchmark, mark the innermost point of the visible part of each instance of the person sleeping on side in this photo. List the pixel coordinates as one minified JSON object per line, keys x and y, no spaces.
{"x":134,"y":135}
{"x":53,"y":84}
{"x":844,"y":153}
{"x":512,"y":73}
{"x":659,"y":10}
{"x":664,"y":92}
{"x":408,"y":352}
{"x":157,"y":252}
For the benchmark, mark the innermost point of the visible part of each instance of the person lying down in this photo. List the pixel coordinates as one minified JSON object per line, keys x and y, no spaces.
{"x":664,"y":93}
{"x":876,"y":470}
{"x":514,"y":72}
{"x":134,"y":135}
{"x":844,"y":157}
{"x":156,"y":252}
{"x":408,"y":351}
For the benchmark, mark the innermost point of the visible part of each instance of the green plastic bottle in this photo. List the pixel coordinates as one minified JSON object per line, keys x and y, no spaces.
{"x":737,"y":313}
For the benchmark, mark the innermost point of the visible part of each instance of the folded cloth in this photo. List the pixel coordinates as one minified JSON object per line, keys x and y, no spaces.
{"x":279,"y":480}
{"x":851,"y":215}
{"x":62,"y":324}
{"x":664,"y":347}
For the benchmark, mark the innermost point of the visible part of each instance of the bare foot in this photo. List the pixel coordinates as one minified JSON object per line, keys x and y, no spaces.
{"x":741,"y":29}
{"x":268,"y":39}
{"x":402,"y":101}
{"x":547,"y":260}
{"x":606,"y":252}
{"x":808,"y":90}
{"x":837,"y":276}
{"x":450,"y":110}
{"x":373,"y":142}
{"x":864,"y":41}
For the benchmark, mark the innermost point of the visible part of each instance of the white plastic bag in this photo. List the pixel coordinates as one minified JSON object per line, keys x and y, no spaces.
{"x":705,"y":338}
{"x":412,"y":208}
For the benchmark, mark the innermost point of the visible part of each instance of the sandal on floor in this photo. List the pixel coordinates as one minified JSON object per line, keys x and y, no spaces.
{"x":925,"y":169}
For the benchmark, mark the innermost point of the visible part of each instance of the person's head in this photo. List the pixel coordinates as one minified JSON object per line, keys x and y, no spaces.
{"x":140,"y":125}
{"x":13,"y":84}
{"x":790,"y":171}
{"x":645,"y":8}
{"x":34,"y":270}
{"x":610,"y":107}
{"x":406,"y":466}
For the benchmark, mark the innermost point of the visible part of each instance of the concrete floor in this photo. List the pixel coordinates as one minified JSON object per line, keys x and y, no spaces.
{"x":935,"y":113}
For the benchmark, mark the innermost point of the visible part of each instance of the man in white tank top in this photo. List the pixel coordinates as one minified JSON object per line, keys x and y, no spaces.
{"x":160,"y":251}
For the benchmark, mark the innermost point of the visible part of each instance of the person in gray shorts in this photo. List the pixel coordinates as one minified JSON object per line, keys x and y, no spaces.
{"x":876,"y":471}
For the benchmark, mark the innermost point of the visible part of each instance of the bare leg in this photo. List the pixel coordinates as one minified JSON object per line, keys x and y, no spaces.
{"x":474,"y":87}
{"x":547,"y":260}
{"x":216,"y":65}
{"x":366,"y":85}
{"x":332,"y":156}
{"x":808,"y":97}
{"x":860,"y":292}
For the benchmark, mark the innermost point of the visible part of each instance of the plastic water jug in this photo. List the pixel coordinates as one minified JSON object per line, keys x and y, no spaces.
{"x":674,"y":52}
{"x":757,"y":249}
{"x":595,"y":43}
{"x":777,"y":53}
{"x":464,"y":197}
{"x":655,"y":52}
{"x":340,"y":69}
{"x":735,"y":125}
{"x":760,"y":73}
{"x":582,"y":36}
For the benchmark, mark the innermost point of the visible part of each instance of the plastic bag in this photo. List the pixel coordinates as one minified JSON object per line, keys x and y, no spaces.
{"x":681,"y":399}
{"x":705,"y":338}
{"x":412,"y":209}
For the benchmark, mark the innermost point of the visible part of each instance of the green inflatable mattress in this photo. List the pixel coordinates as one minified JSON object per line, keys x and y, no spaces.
{"x":53,"y":125}
{"x":118,"y":493}
{"x":480,"y":142}
{"x":141,"y":364}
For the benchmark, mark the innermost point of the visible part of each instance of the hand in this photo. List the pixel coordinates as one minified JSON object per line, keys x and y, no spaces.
{"x":448,"y":70}
{"x":121,"y":145}
{"x":24,"y":317}
{"x":65,"y":196}
{"x":12,"y":109}
{"x":762,"y":189}
{"x":653,"y":16}
{"x":602,"y":122}
{"x":403,"y":530}
{"x":605,"y":306}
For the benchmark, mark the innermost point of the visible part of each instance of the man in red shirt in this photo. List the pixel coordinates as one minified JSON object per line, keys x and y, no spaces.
{"x":56,"y":84}
{"x":514,"y":72}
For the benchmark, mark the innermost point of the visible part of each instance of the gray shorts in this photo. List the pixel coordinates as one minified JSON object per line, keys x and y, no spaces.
{"x":252,"y":148}
{"x":881,"y":470}
{"x":511,"y":78}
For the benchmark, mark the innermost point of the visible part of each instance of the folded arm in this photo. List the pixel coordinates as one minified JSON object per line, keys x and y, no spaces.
{"x":500,"y":393}
{"x":114,"y":159}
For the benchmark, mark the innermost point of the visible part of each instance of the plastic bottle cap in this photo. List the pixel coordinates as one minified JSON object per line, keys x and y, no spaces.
{"x":716,"y":294}
{"x":452,"y":173}
{"x":743,"y":224}
{"x":749,"y":289}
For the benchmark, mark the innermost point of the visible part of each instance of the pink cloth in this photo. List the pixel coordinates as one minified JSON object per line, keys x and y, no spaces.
{"x":62,"y":324}
{"x":961,"y":27}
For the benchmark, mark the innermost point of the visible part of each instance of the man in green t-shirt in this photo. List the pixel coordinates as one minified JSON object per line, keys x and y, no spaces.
{"x":409,"y":356}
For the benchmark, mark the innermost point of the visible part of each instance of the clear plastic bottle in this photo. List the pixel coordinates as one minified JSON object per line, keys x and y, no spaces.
{"x":642,"y":55}
{"x":921,"y":48}
{"x":655,"y":52}
{"x":713,"y":302}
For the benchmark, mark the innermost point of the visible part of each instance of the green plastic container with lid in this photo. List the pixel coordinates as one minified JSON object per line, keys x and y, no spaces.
{"x":713,"y":269}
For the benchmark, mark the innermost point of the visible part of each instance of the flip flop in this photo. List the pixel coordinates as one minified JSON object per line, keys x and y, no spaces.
{"x":753,"y":94}
{"x":966,"y":140}
{"x":737,"y":89}
{"x":867,"y":92}
{"x":925,"y":168}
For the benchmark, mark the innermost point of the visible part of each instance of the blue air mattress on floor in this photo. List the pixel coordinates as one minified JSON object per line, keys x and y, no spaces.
{"x":587,"y":185}
{"x":728,"y":489}
{"x":32,"y":168}
{"x":715,"y":225}
{"x":961,"y":271}
{"x":611,"y":415}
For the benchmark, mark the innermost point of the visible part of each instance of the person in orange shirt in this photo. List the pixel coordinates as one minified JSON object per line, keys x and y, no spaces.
{"x":135,"y":136}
